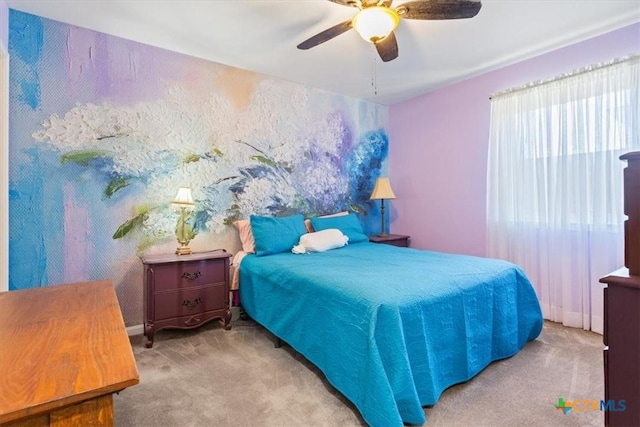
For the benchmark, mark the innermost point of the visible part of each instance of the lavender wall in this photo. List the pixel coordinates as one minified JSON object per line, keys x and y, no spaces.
{"x":439,"y":143}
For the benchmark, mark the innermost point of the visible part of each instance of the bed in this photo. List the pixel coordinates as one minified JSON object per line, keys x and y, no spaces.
{"x":391,"y":328}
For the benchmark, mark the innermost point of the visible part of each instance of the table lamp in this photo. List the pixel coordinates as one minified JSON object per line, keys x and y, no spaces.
{"x":184,"y":201}
{"x":381,"y":191}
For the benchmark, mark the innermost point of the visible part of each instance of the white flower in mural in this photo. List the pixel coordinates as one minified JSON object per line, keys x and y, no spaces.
{"x":273,"y":156}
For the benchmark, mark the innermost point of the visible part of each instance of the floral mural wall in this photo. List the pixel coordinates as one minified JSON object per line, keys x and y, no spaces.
{"x":103,"y":131}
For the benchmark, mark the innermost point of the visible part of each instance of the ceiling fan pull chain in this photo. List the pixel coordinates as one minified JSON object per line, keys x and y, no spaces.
{"x":374,"y":77}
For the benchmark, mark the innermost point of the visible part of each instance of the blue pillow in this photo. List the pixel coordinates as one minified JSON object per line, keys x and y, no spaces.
{"x":276,"y":234}
{"x":348,"y":224}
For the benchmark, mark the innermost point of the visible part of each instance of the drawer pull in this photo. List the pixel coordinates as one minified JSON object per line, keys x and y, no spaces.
{"x":190,"y":276}
{"x":192,"y":304}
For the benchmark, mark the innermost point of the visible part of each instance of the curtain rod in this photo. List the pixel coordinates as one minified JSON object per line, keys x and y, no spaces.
{"x":576,"y":72}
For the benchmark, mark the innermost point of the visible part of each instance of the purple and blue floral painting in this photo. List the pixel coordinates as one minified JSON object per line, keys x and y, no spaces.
{"x":103,"y":132}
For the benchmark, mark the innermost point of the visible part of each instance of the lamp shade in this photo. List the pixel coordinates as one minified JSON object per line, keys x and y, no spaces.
{"x":375,"y":23}
{"x":183,"y":198}
{"x":382,"y":190}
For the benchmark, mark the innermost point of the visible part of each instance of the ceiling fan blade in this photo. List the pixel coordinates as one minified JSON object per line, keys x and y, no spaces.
{"x":325,"y":35}
{"x":363,"y":4}
{"x":352,"y":3}
{"x":439,"y":9}
{"x":388,"y":48}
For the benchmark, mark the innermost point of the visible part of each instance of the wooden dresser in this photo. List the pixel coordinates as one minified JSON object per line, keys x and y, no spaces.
{"x":185,"y":291}
{"x":64,"y":351}
{"x":622,"y":313}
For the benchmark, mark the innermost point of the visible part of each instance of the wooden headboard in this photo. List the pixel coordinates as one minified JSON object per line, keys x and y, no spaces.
{"x":632,"y":210}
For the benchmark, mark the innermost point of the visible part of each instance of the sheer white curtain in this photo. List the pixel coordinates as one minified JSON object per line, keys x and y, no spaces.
{"x":555,"y":199}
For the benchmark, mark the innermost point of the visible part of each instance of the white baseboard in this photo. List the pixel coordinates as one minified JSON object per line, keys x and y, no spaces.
{"x":135,"y":330}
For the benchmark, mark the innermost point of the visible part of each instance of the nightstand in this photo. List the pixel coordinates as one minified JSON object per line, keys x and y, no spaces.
{"x":185,"y":291}
{"x":391,"y":239}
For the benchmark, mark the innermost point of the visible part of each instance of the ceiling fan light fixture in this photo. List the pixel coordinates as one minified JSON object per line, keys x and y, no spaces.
{"x":375,"y":23}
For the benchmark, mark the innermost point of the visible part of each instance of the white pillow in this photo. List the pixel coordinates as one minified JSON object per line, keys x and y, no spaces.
{"x":321,"y":241}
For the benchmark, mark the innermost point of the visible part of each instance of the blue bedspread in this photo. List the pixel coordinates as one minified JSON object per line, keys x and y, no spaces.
{"x":392,"y":328}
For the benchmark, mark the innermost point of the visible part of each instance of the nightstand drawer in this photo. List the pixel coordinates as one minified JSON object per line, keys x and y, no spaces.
{"x":187,"y":274}
{"x":184,"y":302}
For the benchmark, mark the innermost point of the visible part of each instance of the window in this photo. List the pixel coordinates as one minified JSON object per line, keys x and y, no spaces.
{"x":555,"y":199}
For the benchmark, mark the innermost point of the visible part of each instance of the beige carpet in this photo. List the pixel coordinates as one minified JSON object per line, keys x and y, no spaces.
{"x":213,"y":377}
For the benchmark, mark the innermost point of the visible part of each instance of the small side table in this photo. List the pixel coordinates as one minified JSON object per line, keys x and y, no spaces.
{"x":391,"y":239}
{"x":185,"y":291}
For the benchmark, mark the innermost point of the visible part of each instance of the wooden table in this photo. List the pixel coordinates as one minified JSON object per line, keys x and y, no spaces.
{"x":64,"y":351}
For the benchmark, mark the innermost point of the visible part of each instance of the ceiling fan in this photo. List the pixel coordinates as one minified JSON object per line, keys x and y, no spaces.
{"x":376,"y":20}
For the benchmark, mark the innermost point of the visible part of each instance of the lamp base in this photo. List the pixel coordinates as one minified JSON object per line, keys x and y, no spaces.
{"x":383,"y":234}
{"x":183,"y":250}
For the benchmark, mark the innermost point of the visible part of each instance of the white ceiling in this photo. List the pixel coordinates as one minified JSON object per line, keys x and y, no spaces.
{"x":262,"y":35}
